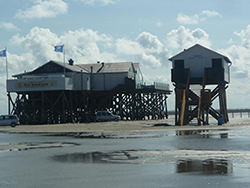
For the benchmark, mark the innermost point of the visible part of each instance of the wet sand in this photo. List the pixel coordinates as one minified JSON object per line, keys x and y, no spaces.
{"x":121,"y":126}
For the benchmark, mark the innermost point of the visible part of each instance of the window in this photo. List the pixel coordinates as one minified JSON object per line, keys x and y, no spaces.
{"x":216,"y":62}
{"x":179,"y":64}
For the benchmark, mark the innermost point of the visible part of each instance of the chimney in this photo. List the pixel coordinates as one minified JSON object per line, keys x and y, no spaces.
{"x":71,"y":62}
{"x":91,"y":68}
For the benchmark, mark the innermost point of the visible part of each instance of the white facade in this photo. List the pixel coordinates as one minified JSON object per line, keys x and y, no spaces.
{"x":39,"y":84}
{"x":74,"y":78}
{"x":197,"y":58}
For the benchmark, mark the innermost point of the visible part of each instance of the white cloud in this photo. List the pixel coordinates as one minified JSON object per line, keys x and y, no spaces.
{"x":147,"y":49}
{"x":150,"y":60}
{"x":230,"y":41}
{"x":240,"y":55}
{"x":88,"y":46}
{"x":128,"y":47}
{"x":159,"y":23}
{"x":150,"y":42}
{"x":210,"y":13}
{"x":43,"y":9}
{"x":102,"y":2}
{"x":151,"y":52}
{"x":8,"y":26}
{"x":184,"y":19}
{"x":182,"y":38}
{"x":83,"y":46}
{"x":197,"y":18}
{"x":244,"y":36}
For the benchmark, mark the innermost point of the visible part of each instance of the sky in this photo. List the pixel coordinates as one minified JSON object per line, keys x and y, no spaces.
{"x":144,"y":31}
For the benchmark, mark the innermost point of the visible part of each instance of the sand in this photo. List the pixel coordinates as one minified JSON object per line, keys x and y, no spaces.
{"x":121,"y":126}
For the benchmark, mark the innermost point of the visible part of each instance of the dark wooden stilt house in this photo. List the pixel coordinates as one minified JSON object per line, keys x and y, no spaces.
{"x":66,"y":93}
{"x":200,"y":66}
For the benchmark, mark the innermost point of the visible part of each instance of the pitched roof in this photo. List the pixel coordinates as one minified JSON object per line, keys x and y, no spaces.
{"x":107,"y":67}
{"x":198,"y":45}
{"x":69,"y":67}
{"x":117,"y":67}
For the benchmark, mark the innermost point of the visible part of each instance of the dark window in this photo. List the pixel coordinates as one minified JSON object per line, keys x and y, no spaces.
{"x":216,"y":63}
{"x":179,"y":64}
{"x":12,"y":117}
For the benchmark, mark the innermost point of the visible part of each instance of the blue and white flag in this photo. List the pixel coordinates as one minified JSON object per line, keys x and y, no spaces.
{"x":58,"y":48}
{"x":3,"y":53}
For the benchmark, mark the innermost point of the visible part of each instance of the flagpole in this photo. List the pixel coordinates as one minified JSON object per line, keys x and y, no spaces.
{"x":7,"y":75}
{"x":64,"y":59}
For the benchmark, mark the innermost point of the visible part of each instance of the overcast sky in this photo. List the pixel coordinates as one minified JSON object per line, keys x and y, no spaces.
{"x":142,"y":31}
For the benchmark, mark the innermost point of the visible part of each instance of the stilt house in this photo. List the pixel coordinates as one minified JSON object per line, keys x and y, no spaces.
{"x":199,"y":65}
{"x":66,"y":92}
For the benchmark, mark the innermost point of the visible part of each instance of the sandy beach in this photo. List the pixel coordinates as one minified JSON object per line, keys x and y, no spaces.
{"x":122,"y":126}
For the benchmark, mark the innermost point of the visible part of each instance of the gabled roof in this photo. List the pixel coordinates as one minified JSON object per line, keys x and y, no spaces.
{"x":117,"y":67}
{"x":72,"y":68}
{"x":68,"y":68}
{"x":198,"y":45}
{"x":107,"y":67}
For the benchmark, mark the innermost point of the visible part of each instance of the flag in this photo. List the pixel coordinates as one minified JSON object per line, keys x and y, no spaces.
{"x":58,"y":48}
{"x":3,"y":53}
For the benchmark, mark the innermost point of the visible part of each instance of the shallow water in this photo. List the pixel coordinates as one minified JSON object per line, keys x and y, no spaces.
{"x":138,"y":161}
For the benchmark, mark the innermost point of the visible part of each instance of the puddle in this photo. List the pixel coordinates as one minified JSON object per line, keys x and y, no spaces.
{"x":194,"y":166}
{"x":96,"y":157}
{"x":191,"y":158}
{"x":110,"y":135}
{"x":35,"y":145}
{"x":210,"y":166}
{"x":204,"y":133}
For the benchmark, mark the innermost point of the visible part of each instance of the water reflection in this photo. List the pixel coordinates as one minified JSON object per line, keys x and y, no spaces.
{"x":201,"y":133}
{"x":210,"y":166}
{"x":96,"y":157}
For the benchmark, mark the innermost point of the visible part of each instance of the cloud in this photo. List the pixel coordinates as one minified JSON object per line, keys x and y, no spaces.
{"x":151,"y":52}
{"x":88,"y":46}
{"x":83,"y":46}
{"x":159,"y":23}
{"x":210,"y":13}
{"x":240,"y":55}
{"x":150,"y":42}
{"x":182,"y":38}
{"x":184,"y":19}
{"x":197,"y":18}
{"x":8,"y":26}
{"x":43,"y":9}
{"x":244,"y":36}
{"x":128,"y":47}
{"x":102,"y":2}
{"x":147,"y":49}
